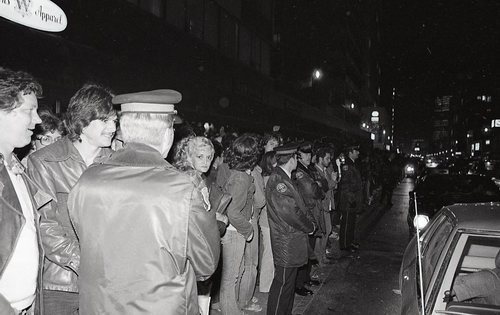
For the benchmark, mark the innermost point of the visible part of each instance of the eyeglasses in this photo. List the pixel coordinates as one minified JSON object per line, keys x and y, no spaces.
{"x":46,"y":139}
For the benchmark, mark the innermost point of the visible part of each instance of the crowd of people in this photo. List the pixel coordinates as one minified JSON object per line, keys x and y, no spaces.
{"x":110,"y":211}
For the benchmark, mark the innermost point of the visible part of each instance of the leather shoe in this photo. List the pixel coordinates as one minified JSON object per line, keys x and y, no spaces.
{"x":313,"y":282}
{"x":303,"y":291}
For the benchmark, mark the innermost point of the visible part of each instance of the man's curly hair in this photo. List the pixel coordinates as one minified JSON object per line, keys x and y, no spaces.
{"x":244,"y":153}
{"x":14,"y":84}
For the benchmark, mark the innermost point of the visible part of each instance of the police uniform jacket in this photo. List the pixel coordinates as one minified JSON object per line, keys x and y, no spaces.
{"x":11,"y":222}
{"x":56,"y":169}
{"x":351,"y":188}
{"x":311,"y":192}
{"x":288,"y":222}
{"x":146,"y":235}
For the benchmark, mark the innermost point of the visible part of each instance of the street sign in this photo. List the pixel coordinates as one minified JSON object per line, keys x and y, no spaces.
{"x":42,"y":15}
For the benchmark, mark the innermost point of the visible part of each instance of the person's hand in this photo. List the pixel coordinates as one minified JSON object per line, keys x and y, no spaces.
{"x":250,"y":237}
{"x":221,"y":217}
{"x":314,"y":229}
{"x":337,"y":161}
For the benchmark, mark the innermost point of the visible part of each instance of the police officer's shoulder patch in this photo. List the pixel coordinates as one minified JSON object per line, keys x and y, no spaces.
{"x":299,"y":174}
{"x":345,"y":167}
{"x":281,"y":187}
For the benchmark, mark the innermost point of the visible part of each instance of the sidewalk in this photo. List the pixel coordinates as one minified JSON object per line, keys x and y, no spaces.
{"x":366,"y":219}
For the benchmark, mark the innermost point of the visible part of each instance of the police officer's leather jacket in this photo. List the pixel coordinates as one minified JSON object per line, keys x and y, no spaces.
{"x":289,"y":225}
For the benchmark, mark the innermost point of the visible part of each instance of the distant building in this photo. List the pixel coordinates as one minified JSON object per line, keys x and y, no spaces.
{"x":467,"y":125}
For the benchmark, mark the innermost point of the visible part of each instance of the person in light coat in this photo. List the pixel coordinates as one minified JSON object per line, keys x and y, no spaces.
{"x":146,"y":230}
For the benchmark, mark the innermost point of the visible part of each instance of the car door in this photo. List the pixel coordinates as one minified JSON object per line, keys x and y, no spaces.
{"x":434,"y":240}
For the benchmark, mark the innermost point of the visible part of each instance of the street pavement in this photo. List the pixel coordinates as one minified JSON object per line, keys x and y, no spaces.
{"x":365,"y":282}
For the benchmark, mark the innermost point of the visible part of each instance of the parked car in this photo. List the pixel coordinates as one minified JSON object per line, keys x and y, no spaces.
{"x":434,"y":191}
{"x":460,"y":239}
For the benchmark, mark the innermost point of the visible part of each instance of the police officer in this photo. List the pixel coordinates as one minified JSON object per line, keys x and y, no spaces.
{"x":311,"y":192}
{"x":146,"y":230}
{"x":289,"y":226}
{"x":351,"y":198}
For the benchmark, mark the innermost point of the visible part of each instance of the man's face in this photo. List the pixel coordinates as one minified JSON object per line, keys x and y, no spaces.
{"x":305,"y":158}
{"x":46,"y":139}
{"x":270,"y":145}
{"x":99,"y":133}
{"x":294,"y":162}
{"x":202,"y":159}
{"x":354,"y":154}
{"x":16,"y":126}
{"x":326,"y":160}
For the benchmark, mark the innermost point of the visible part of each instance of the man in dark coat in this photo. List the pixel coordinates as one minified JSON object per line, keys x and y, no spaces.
{"x":307,"y":182}
{"x":351,"y":199}
{"x":146,"y":230}
{"x":21,"y":252}
{"x":289,"y":226}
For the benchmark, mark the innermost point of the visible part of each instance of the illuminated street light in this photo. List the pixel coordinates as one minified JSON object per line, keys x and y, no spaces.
{"x":317,"y":74}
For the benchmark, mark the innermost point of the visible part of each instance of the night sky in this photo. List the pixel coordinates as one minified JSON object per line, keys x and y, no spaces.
{"x":433,"y":48}
{"x":427,"y":48}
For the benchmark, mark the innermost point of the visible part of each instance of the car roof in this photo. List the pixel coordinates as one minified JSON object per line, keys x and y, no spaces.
{"x":479,"y":216}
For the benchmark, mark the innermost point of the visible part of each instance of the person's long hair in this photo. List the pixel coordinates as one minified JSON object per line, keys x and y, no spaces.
{"x":267,"y":163}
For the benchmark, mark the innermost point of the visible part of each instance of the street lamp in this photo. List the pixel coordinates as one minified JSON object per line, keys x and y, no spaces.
{"x":317,"y":74}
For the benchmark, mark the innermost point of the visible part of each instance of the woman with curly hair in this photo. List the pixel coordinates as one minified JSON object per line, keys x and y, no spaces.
{"x":194,"y":155}
{"x":234,"y":175}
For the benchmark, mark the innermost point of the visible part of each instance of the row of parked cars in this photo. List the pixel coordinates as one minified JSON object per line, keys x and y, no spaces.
{"x":458,"y":217}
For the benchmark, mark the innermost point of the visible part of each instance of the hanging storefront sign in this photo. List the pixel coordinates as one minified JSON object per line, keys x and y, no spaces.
{"x":42,"y":15}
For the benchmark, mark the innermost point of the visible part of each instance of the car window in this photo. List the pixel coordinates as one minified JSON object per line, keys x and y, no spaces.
{"x":477,"y":277}
{"x":432,"y":246}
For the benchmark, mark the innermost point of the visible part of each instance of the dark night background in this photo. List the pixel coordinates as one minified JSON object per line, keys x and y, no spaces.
{"x":427,"y":48}
{"x":249,"y":63}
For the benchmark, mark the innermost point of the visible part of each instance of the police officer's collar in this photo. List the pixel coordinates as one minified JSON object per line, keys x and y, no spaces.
{"x":138,"y":154}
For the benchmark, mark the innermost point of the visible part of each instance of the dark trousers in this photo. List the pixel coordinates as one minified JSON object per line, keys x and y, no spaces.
{"x":304,"y":272}
{"x":282,"y":292}
{"x":347,"y":227}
